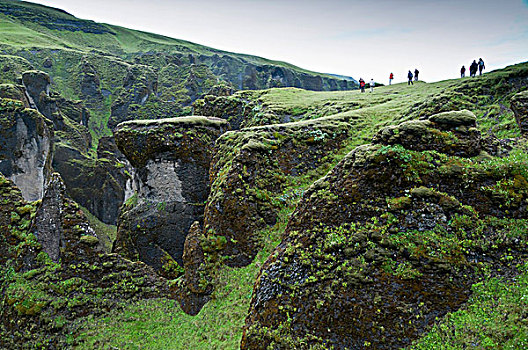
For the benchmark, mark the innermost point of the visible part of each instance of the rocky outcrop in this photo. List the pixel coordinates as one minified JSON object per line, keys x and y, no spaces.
{"x":452,"y":133}
{"x":237,"y":109}
{"x":171,"y":158}
{"x":519,"y":105}
{"x":252,"y":167}
{"x":90,"y":84}
{"x":25,"y":148}
{"x":53,"y":271}
{"x":197,"y":282}
{"x":391,"y":239}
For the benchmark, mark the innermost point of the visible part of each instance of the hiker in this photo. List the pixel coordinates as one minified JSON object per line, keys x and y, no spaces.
{"x":463,"y":72}
{"x":473,"y":68}
{"x":410,"y":76}
{"x":371,"y":85}
{"x":362,"y":84}
{"x":391,"y":77}
{"x":481,"y":66}
{"x":416,"y":72}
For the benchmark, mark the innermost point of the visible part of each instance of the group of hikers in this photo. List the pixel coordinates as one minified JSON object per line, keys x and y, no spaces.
{"x":472,"y":71}
{"x":410,"y":75}
{"x":362,"y":84}
{"x":473,"y":68}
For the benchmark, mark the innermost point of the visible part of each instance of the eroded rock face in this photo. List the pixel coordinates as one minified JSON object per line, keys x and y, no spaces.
{"x":139,"y":83}
{"x":519,"y":105}
{"x":171,"y":158}
{"x":25,"y":148}
{"x":388,"y":241}
{"x":53,"y":270}
{"x":197,"y":282}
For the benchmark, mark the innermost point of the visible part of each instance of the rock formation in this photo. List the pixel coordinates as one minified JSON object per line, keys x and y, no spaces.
{"x":390,"y":240}
{"x":41,"y":294}
{"x":25,"y":148}
{"x":171,"y":158}
{"x":250,"y":170}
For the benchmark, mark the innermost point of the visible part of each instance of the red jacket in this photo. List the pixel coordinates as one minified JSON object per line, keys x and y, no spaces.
{"x":391,"y":76}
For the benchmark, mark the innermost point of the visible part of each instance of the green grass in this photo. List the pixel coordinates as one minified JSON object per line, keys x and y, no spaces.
{"x":160,"y":323}
{"x":496,"y":317}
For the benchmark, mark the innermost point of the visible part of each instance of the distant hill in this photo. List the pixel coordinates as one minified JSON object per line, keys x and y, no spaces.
{"x":47,"y":35}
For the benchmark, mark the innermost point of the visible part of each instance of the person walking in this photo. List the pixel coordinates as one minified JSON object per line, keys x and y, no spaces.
{"x":410,"y":76}
{"x":416,"y":72}
{"x":473,"y":68}
{"x":362,"y":84}
{"x":391,"y":77}
{"x":463,"y":71}
{"x":481,"y":66}
{"x":371,"y":84}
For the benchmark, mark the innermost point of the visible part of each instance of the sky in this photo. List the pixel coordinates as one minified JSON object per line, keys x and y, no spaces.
{"x":367,"y":38}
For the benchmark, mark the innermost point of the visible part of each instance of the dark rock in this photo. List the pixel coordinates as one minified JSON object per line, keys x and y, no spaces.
{"x":252,"y":166}
{"x":25,"y":148}
{"x":37,"y":305}
{"x":139,"y":83}
{"x":198,"y":287}
{"x":90,"y":83}
{"x":48,"y":63}
{"x":390,"y":240}
{"x":14,"y":92}
{"x":171,"y":158}
{"x":519,"y":105}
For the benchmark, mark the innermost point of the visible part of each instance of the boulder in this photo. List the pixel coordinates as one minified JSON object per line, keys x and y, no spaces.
{"x":519,"y":105}
{"x":386,"y":243}
{"x":171,"y":159}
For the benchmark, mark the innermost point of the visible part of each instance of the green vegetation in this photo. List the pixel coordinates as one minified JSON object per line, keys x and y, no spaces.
{"x":494,"y":318}
{"x":160,"y":323}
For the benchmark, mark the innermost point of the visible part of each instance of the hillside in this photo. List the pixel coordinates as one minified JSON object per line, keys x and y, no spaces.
{"x":111,"y":74}
{"x":159,"y":194}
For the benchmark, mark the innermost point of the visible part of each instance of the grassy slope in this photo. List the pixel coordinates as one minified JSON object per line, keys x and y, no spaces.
{"x":160,"y":324}
{"x":118,"y":41}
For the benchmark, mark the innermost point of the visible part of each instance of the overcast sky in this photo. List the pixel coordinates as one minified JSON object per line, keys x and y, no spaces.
{"x":367,"y":38}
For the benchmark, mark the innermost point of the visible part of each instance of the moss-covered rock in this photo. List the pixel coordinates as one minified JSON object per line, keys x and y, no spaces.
{"x":171,"y":158}
{"x":251,"y":169}
{"x":387,"y":242}
{"x":53,"y":271}
{"x":453,"y":133}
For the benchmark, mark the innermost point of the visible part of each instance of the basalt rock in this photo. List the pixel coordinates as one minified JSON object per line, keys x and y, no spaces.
{"x":53,"y":270}
{"x":250,"y":170}
{"x":90,"y":84}
{"x":519,"y":105}
{"x":171,"y":158}
{"x":25,"y":148}
{"x":390,"y":240}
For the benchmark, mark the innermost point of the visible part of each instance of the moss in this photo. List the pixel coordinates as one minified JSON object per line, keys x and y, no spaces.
{"x":89,"y":240}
